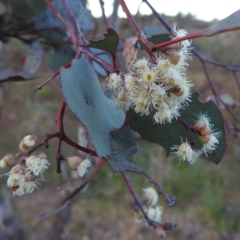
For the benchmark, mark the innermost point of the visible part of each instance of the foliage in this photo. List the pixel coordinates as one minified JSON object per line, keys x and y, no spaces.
{"x":153,"y":95}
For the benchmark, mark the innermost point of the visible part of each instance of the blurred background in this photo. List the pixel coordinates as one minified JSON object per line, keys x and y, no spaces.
{"x":208,"y":196}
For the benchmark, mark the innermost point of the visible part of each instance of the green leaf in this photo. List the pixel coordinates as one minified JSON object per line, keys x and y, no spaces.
{"x":84,"y":97}
{"x":37,"y":6}
{"x":63,"y":54}
{"x":109,"y":43}
{"x":120,"y":163}
{"x":34,"y":58}
{"x":19,"y":9}
{"x":174,"y":133}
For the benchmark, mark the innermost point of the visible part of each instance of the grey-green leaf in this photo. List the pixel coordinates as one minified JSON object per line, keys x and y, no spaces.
{"x":84,"y":97}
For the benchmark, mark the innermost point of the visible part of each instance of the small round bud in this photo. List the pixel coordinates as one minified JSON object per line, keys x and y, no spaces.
{"x":173,"y":57}
{"x":176,"y":90}
{"x":27,"y":143}
{"x":9,"y":160}
{"x":122,"y":95}
{"x":74,"y":162}
{"x":200,"y":127}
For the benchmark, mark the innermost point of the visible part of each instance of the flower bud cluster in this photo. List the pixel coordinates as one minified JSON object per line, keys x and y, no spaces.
{"x":24,"y":169}
{"x":153,"y":211}
{"x":161,"y":88}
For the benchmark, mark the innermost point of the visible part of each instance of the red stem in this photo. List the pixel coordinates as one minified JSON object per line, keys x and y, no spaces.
{"x":139,"y":33}
{"x":68,"y":26}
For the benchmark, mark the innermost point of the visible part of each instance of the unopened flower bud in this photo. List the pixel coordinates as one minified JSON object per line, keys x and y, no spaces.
{"x":27,"y":143}
{"x":9,"y":160}
{"x":173,"y":57}
{"x":122,"y":95}
{"x":200,"y":127}
{"x":74,"y":161}
{"x":177,"y":90}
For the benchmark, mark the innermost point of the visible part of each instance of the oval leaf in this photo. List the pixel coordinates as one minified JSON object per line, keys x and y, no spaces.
{"x":85,"y":98}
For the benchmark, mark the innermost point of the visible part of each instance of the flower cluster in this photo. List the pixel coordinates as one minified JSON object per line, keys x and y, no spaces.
{"x":161,"y":88}
{"x":153,"y":211}
{"x":20,"y":178}
{"x":206,"y":134}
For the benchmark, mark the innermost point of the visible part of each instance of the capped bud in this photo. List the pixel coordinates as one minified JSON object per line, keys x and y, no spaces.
{"x":37,"y":165}
{"x":122,"y":95}
{"x":27,"y":143}
{"x":173,"y":57}
{"x":9,"y":160}
{"x":74,"y":162}
{"x":200,"y":127}
{"x":177,"y":90}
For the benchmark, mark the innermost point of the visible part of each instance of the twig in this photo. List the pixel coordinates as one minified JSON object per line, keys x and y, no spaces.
{"x":139,"y":33}
{"x":188,"y":128}
{"x":80,"y":37}
{"x":67,"y":25}
{"x":103,"y":13}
